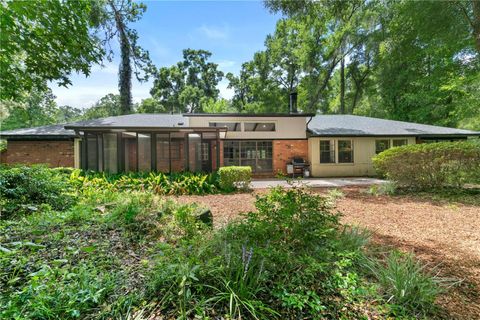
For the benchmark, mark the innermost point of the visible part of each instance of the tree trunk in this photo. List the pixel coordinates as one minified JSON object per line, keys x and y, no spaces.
{"x":342,"y":86}
{"x":125,"y":69}
{"x":476,"y":22}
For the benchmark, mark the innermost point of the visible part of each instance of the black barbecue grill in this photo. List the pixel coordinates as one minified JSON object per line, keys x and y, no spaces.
{"x":299,"y":166}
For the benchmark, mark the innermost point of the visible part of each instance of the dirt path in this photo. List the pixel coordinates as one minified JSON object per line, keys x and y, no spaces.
{"x":447,"y":235}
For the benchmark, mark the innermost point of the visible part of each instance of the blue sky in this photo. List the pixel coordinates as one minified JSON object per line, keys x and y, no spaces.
{"x":231,"y":30}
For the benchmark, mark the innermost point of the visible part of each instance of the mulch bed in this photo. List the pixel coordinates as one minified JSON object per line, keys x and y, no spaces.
{"x":444,"y":235}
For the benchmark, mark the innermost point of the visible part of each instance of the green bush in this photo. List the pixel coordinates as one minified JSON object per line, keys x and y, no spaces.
{"x":26,"y":189}
{"x":235,"y":177}
{"x":406,"y":284}
{"x":434,"y":165}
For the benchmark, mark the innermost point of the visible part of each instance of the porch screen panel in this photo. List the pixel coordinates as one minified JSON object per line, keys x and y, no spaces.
{"x":264,"y":156}
{"x":248,"y":154}
{"x":110,"y":152}
{"x":231,"y":153}
{"x":177,"y":151}
{"x":92,"y":152}
{"x":163,"y":153}
{"x":194,"y":152}
{"x":144,"y":152}
{"x":130,"y":151}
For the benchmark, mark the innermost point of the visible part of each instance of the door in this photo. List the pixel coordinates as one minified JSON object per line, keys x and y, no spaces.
{"x":205,"y":155}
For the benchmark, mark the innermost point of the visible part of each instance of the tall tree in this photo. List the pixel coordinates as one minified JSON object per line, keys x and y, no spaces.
{"x":43,"y":41}
{"x":115,"y":19}
{"x":181,"y":87}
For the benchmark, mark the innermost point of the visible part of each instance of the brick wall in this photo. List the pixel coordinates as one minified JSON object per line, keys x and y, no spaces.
{"x":285,"y":150}
{"x":54,"y":153}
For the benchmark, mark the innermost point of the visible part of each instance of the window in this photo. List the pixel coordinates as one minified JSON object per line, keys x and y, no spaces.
{"x":345,"y":151}
{"x":231,"y":126}
{"x":399,"y":142}
{"x":327,"y":151}
{"x":259,"y":126}
{"x":256,"y":154}
{"x":381,"y":145}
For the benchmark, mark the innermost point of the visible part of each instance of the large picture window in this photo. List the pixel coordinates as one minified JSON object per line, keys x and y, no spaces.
{"x":345,"y":151}
{"x":256,"y":154}
{"x":144,"y":152}
{"x":110,"y":152}
{"x":327,"y":151}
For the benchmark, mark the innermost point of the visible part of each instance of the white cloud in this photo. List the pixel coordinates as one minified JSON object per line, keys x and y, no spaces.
{"x":109,"y":68}
{"x":225,"y":92}
{"x":226,"y":64}
{"x":213,"y":32}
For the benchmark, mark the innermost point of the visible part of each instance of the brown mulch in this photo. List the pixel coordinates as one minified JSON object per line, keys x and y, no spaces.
{"x":446,"y":236}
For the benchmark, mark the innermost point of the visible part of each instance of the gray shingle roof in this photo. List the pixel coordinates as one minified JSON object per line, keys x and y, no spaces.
{"x":44,"y":131}
{"x":136,"y":120}
{"x":350,"y":125}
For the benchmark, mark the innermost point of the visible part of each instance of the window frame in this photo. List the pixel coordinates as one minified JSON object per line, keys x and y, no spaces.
{"x":404,"y":144}
{"x":334,"y":151}
{"x":224,"y":124}
{"x":249,"y":153}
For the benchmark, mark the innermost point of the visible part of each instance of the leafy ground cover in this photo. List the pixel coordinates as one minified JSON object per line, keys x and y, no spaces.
{"x":140,"y":255}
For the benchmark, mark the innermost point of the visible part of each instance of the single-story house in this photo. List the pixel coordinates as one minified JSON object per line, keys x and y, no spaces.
{"x":334,"y":145}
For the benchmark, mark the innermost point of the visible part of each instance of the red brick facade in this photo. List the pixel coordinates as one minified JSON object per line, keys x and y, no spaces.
{"x":54,"y":153}
{"x":285,"y":150}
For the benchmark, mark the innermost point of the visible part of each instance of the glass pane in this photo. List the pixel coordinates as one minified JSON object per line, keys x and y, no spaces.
{"x":130,"y":151}
{"x":231,"y":126}
{"x":381,"y":145}
{"x":259,"y":126}
{"x":110,"y":152}
{"x":345,"y":151}
{"x":100,"y":152}
{"x":399,"y":142}
{"x":92,"y":152}
{"x":144,"y":152}
{"x":327,"y":151}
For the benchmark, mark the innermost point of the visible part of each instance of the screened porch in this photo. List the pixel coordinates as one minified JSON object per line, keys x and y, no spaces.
{"x":142,"y":151}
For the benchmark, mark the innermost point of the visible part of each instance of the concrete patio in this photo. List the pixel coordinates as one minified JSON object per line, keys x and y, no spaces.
{"x":316,"y":182}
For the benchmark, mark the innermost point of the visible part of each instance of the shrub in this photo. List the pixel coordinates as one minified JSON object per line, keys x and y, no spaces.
{"x":433,"y":165}
{"x":25,"y":189}
{"x":90,"y":183}
{"x":406,"y":283}
{"x":235,"y":177}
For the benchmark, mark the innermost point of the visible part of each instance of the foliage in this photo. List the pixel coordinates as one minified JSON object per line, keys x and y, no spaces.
{"x":121,"y":253}
{"x":185,"y":86}
{"x":114,"y":17}
{"x":435,"y":165}
{"x":286,"y":260}
{"x":405,"y":282}
{"x":28,"y":189}
{"x":386,"y":188}
{"x":37,"y":45}
{"x":107,"y":106}
{"x":234,"y":177}
{"x":89,"y":183}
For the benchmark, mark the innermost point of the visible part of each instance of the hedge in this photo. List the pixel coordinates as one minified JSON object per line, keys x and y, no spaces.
{"x":235,"y":177}
{"x":431,"y":165}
